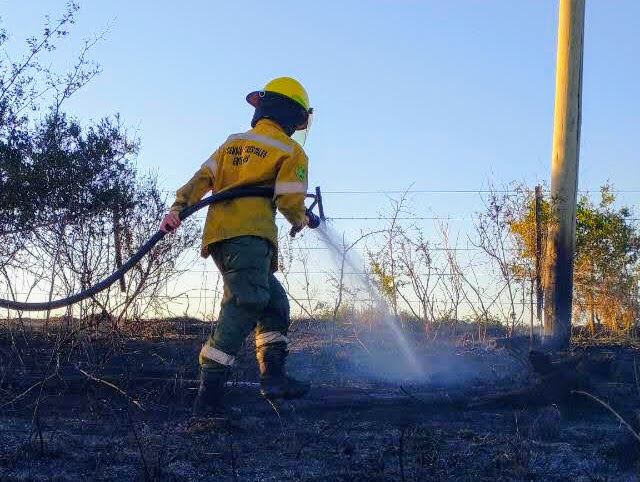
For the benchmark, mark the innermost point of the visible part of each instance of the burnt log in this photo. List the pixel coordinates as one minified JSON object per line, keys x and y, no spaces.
{"x":551,"y":383}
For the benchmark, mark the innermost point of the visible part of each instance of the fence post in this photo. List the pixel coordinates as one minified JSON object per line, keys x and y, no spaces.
{"x":538,"y":280}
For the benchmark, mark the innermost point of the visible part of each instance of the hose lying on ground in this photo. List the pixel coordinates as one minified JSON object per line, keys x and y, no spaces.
{"x":144,"y":249}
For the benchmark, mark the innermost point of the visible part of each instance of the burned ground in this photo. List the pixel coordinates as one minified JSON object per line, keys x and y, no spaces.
{"x":118,"y":408}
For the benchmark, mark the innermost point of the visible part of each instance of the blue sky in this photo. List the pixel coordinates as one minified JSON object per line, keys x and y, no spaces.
{"x":438,"y":95}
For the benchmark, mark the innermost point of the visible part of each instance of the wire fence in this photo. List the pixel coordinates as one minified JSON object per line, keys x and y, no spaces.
{"x":451,"y":277}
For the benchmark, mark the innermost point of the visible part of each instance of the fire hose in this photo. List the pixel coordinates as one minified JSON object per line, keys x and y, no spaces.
{"x":314,"y":222}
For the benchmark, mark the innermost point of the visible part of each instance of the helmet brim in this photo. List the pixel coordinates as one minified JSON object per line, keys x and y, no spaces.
{"x":254,"y":97}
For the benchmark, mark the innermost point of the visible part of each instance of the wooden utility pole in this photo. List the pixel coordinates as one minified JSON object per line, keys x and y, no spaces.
{"x":564,"y":175}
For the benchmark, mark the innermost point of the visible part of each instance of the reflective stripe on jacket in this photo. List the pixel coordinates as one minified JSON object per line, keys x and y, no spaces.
{"x":263,"y":156}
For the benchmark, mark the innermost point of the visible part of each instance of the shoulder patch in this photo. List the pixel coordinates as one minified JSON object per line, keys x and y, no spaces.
{"x":301,"y":173}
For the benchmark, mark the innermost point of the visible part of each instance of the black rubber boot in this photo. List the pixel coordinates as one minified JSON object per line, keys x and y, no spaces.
{"x":209,"y":403}
{"x":274,"y":382}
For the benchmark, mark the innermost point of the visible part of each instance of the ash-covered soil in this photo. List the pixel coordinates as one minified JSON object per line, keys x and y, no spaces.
{"x":118,"y":408}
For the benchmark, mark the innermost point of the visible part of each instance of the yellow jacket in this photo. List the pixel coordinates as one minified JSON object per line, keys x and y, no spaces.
{"x":264,"y":156}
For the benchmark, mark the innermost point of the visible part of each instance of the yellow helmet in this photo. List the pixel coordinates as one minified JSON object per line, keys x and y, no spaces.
{"x":293,"y":91}
{"x":285,"y":86}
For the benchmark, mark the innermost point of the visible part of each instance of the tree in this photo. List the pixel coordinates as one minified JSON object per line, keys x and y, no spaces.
{"x":48,"y":168}
{"x":72,"y":202}
{"x":606,"y":269}
{"x":606,"y":265}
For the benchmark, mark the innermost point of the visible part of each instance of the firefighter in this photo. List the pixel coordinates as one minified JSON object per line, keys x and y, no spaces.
{"x":241,"y":237}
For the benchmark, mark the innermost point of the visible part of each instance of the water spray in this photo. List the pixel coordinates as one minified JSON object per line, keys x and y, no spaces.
{"x":344,"y":256}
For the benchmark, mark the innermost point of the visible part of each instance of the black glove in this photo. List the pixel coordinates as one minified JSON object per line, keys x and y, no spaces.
{"x":313,"y":220}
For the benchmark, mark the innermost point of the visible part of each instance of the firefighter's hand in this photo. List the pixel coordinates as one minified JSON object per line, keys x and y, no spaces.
{"x":296,"y":229}
{"x":170,"y":222}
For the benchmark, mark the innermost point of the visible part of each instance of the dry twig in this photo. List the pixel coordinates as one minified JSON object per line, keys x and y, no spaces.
{"x":608,"y":407}
{"x":115,"y":387}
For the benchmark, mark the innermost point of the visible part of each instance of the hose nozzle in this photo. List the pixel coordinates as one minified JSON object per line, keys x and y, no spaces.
{"x":314,"y":219}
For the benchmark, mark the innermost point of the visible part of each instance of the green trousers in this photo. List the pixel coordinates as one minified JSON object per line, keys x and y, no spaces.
{"x":253,"y":298}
